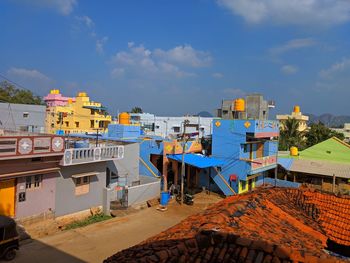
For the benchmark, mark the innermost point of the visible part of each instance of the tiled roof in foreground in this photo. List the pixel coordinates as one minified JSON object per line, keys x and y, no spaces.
{"x":267,"y":225}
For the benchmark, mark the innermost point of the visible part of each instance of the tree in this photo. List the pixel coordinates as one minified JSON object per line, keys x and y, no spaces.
{"x":318,"y":132}
{"x":9,"y":93}
{"x":290,"y":135}
{"x":136,"y":110}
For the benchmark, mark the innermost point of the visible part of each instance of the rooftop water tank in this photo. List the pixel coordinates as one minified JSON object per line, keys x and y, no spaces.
{"x":55,"y":91}
{"x":124,"y":118}
{"x":296,"y":109}
{"x":239,"y":105}
{"x":294,"y":151}
{"x":82,"y":94}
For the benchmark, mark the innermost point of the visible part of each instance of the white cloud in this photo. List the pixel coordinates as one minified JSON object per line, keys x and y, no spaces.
{"x":217,"y":75}
{"x":293,"y":44}
{"x":185,"y":55}
{"x":139,"y":60}
{"x":28,"y":73}
{"x":294,"y":12}
{"x":32,"y":79}
{"x":289,"y":69}
{"x":87,"y":21}
{"x":64,"y":7}
{"x":117,"y":72}
{"x":336,"y":68}
{"x":100,"y":44}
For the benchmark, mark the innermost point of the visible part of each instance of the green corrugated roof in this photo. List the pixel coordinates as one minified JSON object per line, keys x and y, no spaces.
{"x":332,"y":149}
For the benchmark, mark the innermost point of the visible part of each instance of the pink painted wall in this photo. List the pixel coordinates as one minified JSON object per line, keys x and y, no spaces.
{"x":52,"y":100}
{"x":39,"y":200}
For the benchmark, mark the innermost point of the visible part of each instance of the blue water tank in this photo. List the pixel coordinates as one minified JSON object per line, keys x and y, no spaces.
{"x":164,"y":198}
{"x":60,"y":132}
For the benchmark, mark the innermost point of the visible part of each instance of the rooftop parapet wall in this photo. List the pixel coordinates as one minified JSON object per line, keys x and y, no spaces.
{"x":259,"y":128}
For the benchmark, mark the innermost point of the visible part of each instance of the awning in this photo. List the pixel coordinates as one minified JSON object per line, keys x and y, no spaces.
{"x":84,"y":174}
{"x":95,"y":107}
{"x":30,"y":172}
{"x":197,"y":160}
{"x":286,"y":163}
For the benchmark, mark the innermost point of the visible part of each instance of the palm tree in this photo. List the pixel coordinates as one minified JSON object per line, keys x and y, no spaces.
{"x":290,"y":135}
{"x":136,"y":110}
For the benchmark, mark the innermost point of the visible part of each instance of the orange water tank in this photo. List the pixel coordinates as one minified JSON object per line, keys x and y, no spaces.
{"x":124,"y":118}
{"x":239,"y":105}
{"x":296,"y":109}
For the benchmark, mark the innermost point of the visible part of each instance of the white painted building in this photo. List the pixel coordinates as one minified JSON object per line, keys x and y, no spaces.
{"x":171,"y":126}
{"x":345,"y":131}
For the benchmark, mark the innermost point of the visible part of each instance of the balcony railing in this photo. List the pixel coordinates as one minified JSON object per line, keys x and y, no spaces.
{"x":95,"y":154}
{"x":261,"y":164}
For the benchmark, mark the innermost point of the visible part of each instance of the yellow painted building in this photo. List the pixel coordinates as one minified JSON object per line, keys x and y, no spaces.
{"x":75,"y":115}
{"x":296,"y":114}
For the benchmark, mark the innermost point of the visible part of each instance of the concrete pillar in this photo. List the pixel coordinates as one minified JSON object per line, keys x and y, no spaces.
{"x":294,"y":177}
{"x":165,"y":173}
{"x":333,"y":185}
{"x":188,"y":175}
{"x":174,"y":166}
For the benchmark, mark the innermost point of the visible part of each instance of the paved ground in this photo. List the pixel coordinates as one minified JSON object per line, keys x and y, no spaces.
{"x":98,"y":241}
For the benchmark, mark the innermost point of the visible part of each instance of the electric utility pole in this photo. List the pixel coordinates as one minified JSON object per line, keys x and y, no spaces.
{"x":186,"y":122}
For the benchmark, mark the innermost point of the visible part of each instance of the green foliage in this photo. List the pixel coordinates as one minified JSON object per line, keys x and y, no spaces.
{"x":318,"y":132}
{"x":290,"y":135}
{"x":136,"y":110}
{"x":9,"y":93}
{"x":88,"y":221}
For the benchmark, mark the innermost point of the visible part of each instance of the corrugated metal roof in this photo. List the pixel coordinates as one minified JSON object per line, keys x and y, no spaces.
{"x":321,"y":167}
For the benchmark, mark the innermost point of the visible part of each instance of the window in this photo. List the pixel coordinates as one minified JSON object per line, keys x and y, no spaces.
{"x":92,"y":124}
{"x":25,"y":114}
{"x":77,"y":124}
{"x":245,"y":148}
{"x":28,"y":182}
{"x":37,"y":181}
{"x":33,"y":182}
{"x":82,"y":185}
{"x":67,"y":123}
{"x":176,"y":129}
{"x":243,"y":184}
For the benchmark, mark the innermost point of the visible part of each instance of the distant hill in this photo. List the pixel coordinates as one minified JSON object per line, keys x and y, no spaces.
{"x":204,"y":114}
{"x":329,"y":120}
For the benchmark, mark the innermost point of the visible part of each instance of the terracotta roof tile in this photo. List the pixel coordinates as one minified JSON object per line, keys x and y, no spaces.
{"x":267,"y":225}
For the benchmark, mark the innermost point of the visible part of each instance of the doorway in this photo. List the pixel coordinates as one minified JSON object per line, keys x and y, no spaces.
{"x":7,"y":197}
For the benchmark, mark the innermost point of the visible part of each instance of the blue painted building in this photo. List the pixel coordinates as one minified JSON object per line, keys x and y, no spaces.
{"x":248,"y":149}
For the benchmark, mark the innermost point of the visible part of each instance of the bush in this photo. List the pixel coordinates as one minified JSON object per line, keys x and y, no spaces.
{"x":88,"y":221}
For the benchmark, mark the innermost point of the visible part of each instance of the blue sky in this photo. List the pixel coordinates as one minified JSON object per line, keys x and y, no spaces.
{"x":178,"y":57}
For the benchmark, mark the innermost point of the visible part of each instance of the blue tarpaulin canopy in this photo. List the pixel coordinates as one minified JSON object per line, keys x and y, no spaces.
{"x":197,"y":160}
